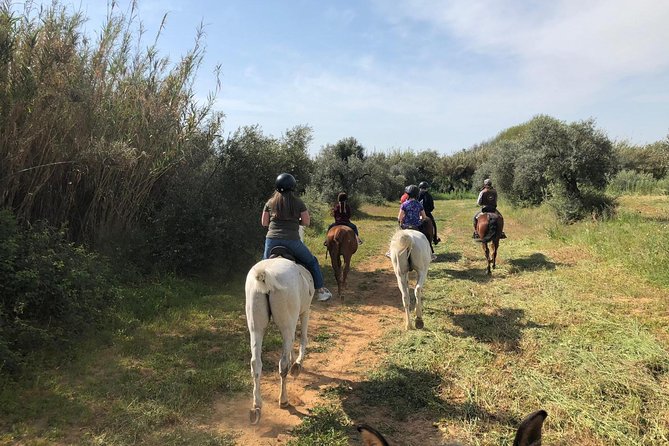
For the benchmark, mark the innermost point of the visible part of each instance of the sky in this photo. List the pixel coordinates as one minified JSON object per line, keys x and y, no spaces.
{"x":441,"y":75}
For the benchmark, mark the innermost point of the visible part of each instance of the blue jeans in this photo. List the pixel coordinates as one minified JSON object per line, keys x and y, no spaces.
{"x":301,"y":253}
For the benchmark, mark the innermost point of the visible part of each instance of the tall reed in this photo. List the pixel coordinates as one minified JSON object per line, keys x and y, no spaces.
{"x":89,"y":128}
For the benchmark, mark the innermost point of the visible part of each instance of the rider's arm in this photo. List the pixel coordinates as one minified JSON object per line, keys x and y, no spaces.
{"x":478,"y":202}
{"x":400,"y":216}
{"x":305,"y":219}
{"x":264,"y":220}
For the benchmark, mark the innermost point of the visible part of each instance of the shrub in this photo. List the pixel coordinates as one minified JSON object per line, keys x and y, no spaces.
{"x":591,"y":202}
{"x":637,"y":183}
{"x":50,"y":289}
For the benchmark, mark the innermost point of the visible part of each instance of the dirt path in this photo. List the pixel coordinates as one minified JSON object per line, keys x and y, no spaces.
{"x":371,"y":304}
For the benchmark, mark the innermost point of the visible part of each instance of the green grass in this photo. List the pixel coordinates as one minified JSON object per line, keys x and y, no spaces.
{"x":574,"y":320}
{"x":149,"y":380}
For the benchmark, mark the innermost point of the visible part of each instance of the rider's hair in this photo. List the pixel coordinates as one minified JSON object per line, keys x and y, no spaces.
{"x":284,"y":205}
{"x":341,"y":201}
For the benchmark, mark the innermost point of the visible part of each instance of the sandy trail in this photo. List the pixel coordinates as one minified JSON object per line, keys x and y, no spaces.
{"x":371,"y":303}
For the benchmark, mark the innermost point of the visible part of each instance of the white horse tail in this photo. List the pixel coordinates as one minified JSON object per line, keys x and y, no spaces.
{"x":401,"y":243}
{"x":265,"y":281}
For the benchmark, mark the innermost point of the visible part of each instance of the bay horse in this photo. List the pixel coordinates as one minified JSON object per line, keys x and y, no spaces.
{"x":341,"y":243}
{"x":489,"y":227}
{"x":281,"y":289}
{"x":528,"y":433}
{"x":410,"y":250}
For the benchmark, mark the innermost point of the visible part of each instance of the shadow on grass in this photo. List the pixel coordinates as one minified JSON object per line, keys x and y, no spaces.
{"x":449,"y":257}
{"x":396,"y":393}
{"x":365,"y":216}
{"x":534,"y":262}
{"x":502,"y":328}
{"x":472,"y":274}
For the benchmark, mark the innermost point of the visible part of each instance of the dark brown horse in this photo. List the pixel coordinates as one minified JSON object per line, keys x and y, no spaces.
{"x":528,"y":433}
{"x":341,"y":243}
{"x":489,"y":227}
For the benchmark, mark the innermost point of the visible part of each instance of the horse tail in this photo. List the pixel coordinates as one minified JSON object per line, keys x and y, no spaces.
{"x":492,"y":228}
{"x":401,"y":242}
{"x":265,"y":280}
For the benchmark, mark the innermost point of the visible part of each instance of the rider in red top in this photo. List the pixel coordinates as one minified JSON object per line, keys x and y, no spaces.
{"x":342,"y":215}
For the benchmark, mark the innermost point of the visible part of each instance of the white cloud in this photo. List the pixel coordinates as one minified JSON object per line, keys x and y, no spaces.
{"x":579,"y":45}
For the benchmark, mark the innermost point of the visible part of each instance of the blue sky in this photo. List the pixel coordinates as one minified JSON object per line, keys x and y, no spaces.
{"x":422,"y":74}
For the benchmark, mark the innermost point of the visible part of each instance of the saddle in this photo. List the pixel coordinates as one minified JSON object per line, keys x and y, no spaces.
{"x":282,"y":251}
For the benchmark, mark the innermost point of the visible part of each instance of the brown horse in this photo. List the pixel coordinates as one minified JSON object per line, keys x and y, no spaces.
{"x":489,"y":227}
{"x":341,"y":242}
{"x":528,"y":433}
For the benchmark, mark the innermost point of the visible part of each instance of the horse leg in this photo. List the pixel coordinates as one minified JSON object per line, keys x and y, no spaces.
{"x":336,"y":266}
{"x":403,"y":283}
{"x":258,"y":319}
{"x":344,"y":274}
{"x":486,"y":250}
{"x":420,"y":282}
{"x":288,"y":335}
{"x":495,"y":245}
{"x":296,"y":368}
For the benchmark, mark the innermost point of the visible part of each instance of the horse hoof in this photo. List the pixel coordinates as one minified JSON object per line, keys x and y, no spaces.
{"x":284,"y":405}
{"x":419,"y":323}
{"x":295,"y":369}
{"x":254,"y":415}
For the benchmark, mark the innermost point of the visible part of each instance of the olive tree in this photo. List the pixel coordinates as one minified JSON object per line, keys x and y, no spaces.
{"x":553,"y":160}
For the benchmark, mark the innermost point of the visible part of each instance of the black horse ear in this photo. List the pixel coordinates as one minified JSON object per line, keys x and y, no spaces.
{"x":370,"y":437}
{"x":529,"y":431}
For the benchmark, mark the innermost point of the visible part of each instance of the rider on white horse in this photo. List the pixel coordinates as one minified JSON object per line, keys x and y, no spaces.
{"x":283,"y":214}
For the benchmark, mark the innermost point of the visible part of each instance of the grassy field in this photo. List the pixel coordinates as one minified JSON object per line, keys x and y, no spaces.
{"x":575,"y":320}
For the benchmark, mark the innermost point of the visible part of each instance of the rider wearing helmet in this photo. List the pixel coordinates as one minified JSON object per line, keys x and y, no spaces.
{"x":425,"y":198}
{"x":412,"y":215}
{"x":283,"y":214}
{"x":488,"y":200}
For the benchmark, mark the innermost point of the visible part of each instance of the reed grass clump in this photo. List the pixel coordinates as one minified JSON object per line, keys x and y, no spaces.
{"x":90,"y":128}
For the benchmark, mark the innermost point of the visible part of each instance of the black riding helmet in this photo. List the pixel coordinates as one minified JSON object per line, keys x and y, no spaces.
{"x":424,"y":185}
{"x":285,"y":182}
{"x":412,"y":191}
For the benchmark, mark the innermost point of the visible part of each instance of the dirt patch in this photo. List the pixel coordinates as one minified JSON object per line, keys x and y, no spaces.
{"x":371,"y":304}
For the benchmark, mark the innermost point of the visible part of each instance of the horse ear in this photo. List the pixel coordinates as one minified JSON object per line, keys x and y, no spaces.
{"x":529,"y":431}
{"x":370,"y":437}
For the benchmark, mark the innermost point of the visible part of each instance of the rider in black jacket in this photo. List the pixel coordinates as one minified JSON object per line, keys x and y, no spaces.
{"x":425,"y":198}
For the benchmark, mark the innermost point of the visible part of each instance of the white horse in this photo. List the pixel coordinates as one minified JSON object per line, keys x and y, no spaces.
{"x":281,"y":289}
{"x":410,"y":250}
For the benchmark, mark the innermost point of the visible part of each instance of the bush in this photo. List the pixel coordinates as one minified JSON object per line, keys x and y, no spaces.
{"x":591,"y":202}
{"x":50,"y":289}
{"x":637,"y":183}
{"x":209,"y":217}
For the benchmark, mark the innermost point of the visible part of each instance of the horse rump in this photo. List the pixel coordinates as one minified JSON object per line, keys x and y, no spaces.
{"x":263,"y":281}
